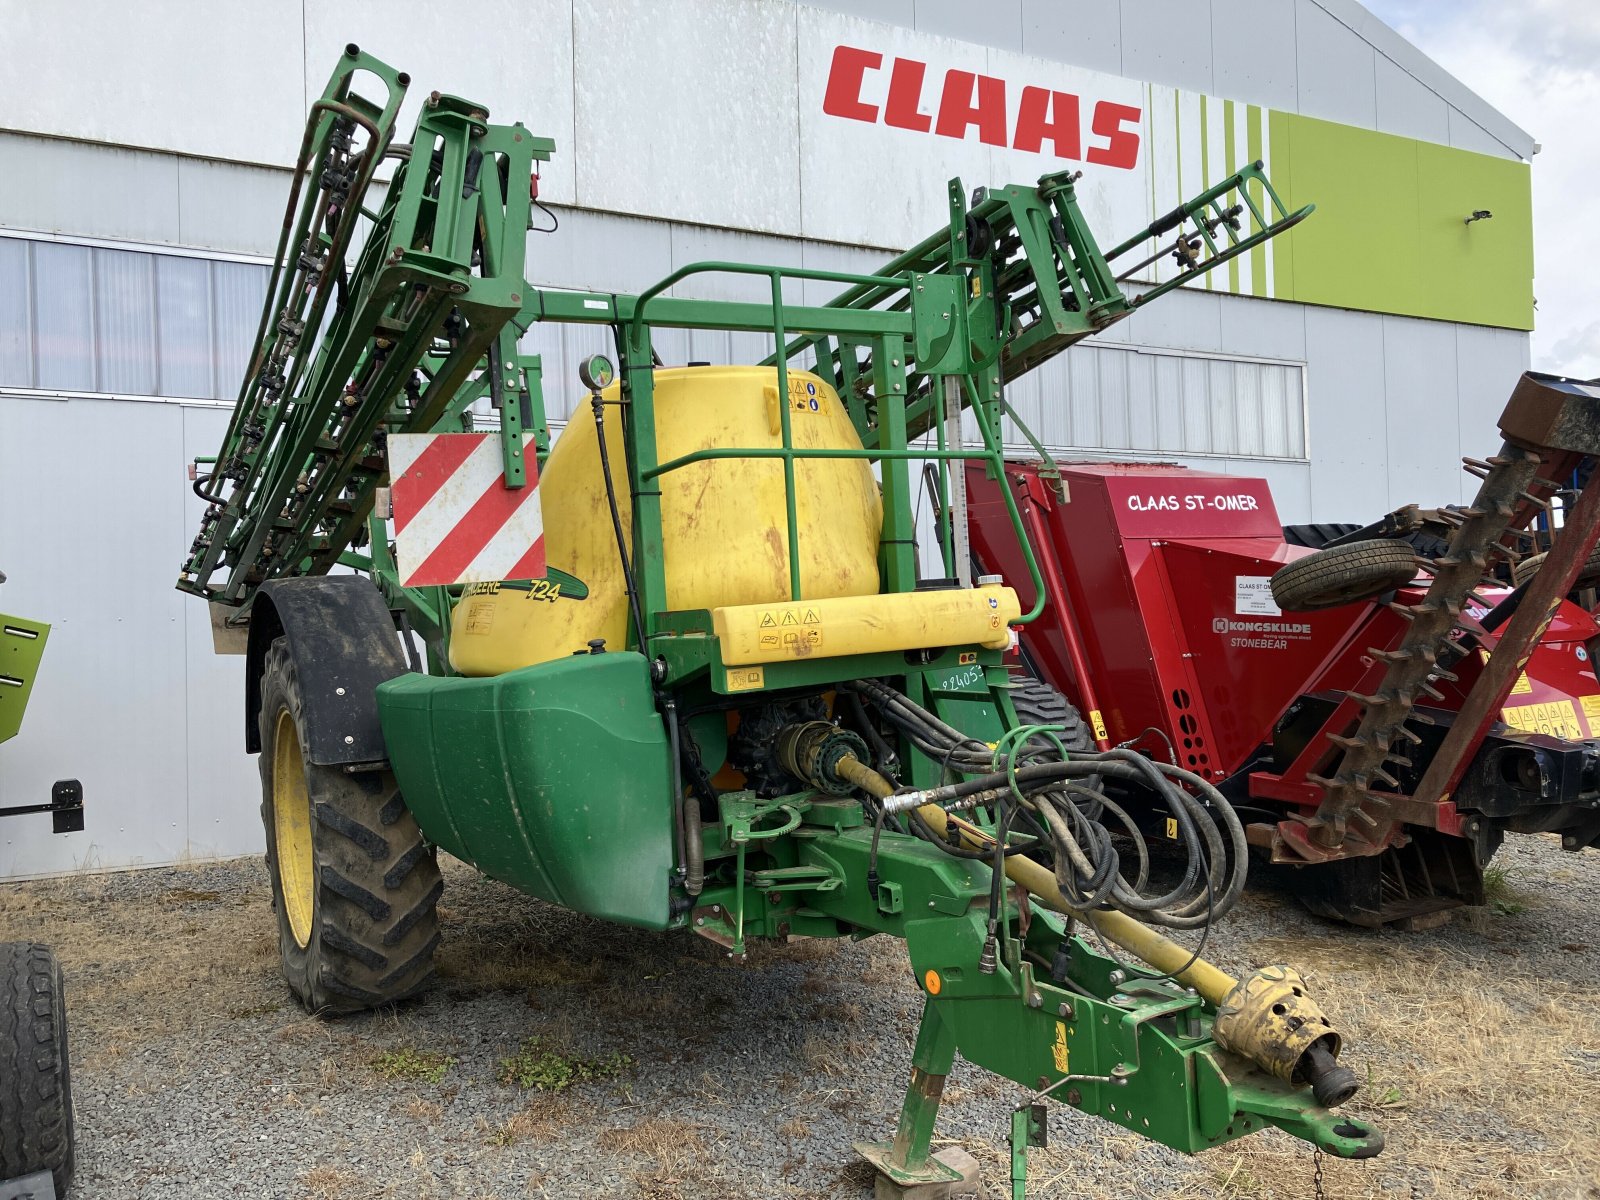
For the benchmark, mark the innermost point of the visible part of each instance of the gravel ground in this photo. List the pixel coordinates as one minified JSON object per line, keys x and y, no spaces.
{"x":196,"y":1076}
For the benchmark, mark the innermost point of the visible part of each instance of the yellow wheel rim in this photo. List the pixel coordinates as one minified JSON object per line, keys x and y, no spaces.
{"x":291,"y":829}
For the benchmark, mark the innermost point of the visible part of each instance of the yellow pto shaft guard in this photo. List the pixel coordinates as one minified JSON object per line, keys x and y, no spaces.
{"x":1268,"y":1018}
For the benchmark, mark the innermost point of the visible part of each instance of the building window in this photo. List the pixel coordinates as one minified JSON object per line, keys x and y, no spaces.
{"x":77,"y":318}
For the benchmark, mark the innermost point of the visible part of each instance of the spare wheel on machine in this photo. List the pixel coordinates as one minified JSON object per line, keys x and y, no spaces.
{"x":1344,"y":575}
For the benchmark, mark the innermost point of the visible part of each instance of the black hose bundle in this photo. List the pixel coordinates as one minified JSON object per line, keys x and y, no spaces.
{"x":1033,"y":787}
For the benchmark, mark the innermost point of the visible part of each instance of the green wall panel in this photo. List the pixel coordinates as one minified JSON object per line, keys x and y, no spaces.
{"x":1389,"y":233}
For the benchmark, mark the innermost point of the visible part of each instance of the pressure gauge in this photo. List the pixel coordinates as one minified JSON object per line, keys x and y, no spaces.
{"x":596,"y":372}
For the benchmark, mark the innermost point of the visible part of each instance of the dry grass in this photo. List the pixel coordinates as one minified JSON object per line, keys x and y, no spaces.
{"x":332,"y":1183}
{"x":841,"y":1012}
{"x":1472,"y":1074}
{"x":827,"y":1056}
{"x":152,"y":967}
{"x":1483,"y":1078}
{"x":541,"y":1118}
{"x":677,"y":1162}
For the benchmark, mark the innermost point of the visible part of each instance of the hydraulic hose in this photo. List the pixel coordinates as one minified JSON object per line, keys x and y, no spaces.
{"x":1140,"y":940}
{"x":628,"y":583}
{"x":1058,"y":796}
{"x":690,"y":834}
{"x":1293,"y":1049}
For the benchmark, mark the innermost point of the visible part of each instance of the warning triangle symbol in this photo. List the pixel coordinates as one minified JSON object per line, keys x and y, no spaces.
{"x":766,"y":621}
{"x":789,"y":619}
{"x":811,"y":617}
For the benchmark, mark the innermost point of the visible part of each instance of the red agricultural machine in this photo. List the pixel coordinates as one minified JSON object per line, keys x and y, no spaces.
{"x":1383,"y":704}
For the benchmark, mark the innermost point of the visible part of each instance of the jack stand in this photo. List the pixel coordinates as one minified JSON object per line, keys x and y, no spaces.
{"x":907,"y":1168}
{"x":1029,"y":1127}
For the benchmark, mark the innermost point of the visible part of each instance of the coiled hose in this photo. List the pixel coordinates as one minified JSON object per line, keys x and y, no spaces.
{"x":1046,"y":793}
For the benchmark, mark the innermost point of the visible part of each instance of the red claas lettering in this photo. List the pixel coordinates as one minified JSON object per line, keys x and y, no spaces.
{"x":969,"y":100}
{"x":1122,"y":145}
{"x":973,"y":100}
{"x":1043,"y":115}
{"x":843,"y":97}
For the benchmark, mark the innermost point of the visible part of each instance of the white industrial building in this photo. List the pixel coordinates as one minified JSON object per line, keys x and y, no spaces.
{"x":144,"y":166}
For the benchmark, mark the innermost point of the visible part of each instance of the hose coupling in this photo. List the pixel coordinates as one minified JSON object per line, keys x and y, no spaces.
{"x":988,"y":960}
{"x":904,"y":802}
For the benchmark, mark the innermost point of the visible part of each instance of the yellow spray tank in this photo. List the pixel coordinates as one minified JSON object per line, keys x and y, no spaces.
{"x":723,"y":523}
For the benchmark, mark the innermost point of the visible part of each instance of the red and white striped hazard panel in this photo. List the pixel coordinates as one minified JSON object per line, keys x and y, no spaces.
{"x":455,"y":521}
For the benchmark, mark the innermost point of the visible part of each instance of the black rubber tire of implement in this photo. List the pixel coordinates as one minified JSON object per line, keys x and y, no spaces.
{"x":1037,"y":703}
{"x":36,"y":1130}
{"x":1588,"y":574}
{"x":374,"y":919}
{"x":1315,"y":537}
{"x":1344,"y":575}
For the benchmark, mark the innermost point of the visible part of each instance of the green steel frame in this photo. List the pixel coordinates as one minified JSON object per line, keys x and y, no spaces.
{"x":428,"y":320}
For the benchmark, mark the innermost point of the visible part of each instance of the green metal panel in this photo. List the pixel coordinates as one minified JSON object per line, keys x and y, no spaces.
{"x":553,"y":779}
{"x":21,"y":647}
{"x":1418,"y":256}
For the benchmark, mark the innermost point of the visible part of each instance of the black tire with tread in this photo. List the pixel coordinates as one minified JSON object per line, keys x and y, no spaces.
{"x":36,"y":1127}
{"x":1588,"y":574}
{"x":374,"y":921}
{"x":1344,"y":575}
{"x":1316,"y":536}
{"x":1037,"y":703}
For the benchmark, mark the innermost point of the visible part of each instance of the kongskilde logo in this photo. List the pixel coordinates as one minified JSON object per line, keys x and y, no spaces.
{"x":967,"y":100}
{"x":1277,"y":628}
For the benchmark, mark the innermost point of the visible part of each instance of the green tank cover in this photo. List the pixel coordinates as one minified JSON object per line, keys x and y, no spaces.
{"x":553,"y":779}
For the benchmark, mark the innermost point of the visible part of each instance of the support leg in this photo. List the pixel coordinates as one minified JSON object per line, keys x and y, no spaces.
{"x":906,"y":1168}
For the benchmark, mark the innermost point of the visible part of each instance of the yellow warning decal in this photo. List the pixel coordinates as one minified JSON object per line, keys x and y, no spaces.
{"x":746,"y":679}
{"x":1558,"y":718}
{"x":1099,"y":724}
{"x":792,"y":639}
{"x":1059,"y":1048}
{"x":779,"y":618}
{"x":1172,"y":829}
{"x":1523,"y":686}
{"x":1591,"y":713}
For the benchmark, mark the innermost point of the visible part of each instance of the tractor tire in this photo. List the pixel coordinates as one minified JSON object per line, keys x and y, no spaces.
{"x":1344,"y":575}
{"x":1315,"y":537}
{"x":1523,"y":571}
{"x":355,"y":887}
{"x":1037,"y":703}
{"x":1588,"y":574}
{"x":36,"y":1130}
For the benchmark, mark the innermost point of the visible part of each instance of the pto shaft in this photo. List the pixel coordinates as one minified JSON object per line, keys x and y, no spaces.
{"x":1268,"y":1018}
